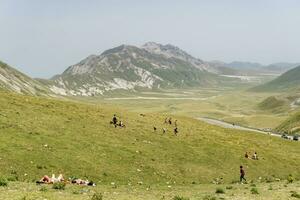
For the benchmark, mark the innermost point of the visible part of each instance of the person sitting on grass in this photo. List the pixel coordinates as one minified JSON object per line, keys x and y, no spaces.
{"x":255,"y":157}
{"x":246,"y":155}
{"x":115,"y":120}
{"x":121,"y":124}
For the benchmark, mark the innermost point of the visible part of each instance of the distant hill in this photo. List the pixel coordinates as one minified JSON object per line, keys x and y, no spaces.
{"x":290,"y":80}
{"x":280,"y":67}
{"x":13,"y":80}
{"x":271,"y":103}
{"x":152,"y":66}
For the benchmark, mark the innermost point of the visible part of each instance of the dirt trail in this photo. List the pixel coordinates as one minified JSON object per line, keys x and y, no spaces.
{"x":233,"y":126}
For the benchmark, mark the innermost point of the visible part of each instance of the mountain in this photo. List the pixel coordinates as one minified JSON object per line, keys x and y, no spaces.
{"x":126,"y":67}
{"x":252,"y":68}
{"x":13,"y":80}
{"x":280,"y":67}
{"x":244,"y":65}
{"x":290,"y":80}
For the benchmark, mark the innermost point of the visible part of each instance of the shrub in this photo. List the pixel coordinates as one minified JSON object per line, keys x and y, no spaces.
{"x":253,"y":185}
{"x":43,"y":189}
{"x":209,"y":197}
{"x":220,"y":191}
{"x":229,"y":187}
{"x":3,"y":182}
{"x":270,"y":187}
{"x":254,"y":191}
{"x":290,"y":179}
{"x":97,"y":196}
{"x":59,"y":186}
{"x":295,"y":194}
{"x":13,"y":178}
{"x":180,"y":198}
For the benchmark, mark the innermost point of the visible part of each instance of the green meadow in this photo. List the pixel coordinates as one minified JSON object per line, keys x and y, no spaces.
{"x":43,"y":136}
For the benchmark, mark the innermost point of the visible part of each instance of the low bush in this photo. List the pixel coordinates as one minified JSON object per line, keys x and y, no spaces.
{"x":229,"y":187}
{"x":295,"y":195}
{"x":43,"y":189}
{"x":97,"y":196}
{"x":254,"y":191}
{"x":3,"y":182}
{"x":59,"y":186}
{"x":209,"y":197}
{"x":220,"y":191}
{"x":290,"y":179}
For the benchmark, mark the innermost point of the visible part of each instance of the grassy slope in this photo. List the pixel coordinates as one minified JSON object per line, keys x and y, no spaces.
{"x":82,"y":143}
{"x":233,"y":106}
{"x":292,"y":124}
{"x":288,"y":81}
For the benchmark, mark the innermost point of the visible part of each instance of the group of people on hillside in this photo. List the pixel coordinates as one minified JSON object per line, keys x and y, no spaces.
{"x":254,"y":156}
{"x":168,"y":121}
{"x":60,"y":179}
{"x":116,"y":122}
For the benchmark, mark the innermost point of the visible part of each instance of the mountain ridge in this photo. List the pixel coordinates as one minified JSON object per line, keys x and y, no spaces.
{"x":129,"y":67}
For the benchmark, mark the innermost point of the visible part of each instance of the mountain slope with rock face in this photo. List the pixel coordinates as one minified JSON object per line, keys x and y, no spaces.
{"x":13,"y":80}
{"x":126,"y":67}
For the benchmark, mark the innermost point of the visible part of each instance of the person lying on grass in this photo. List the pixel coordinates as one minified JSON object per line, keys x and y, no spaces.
{"x":79,"y":181}
{"x":47,"y":180}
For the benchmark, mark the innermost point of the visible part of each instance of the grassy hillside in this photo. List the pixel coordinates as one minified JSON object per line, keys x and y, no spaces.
{"x":42,"y":136}
{"x":292,"y":124}
{"x":274,"y":104}
{"x":290,"y":80}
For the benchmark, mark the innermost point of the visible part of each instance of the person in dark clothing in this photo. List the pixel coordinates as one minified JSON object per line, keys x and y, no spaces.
{"x":154,"y":128}
{"x":176,"y":131}
{"x":115,"y":120}
{"x":242,"y":174}
{"x":170,"y":121}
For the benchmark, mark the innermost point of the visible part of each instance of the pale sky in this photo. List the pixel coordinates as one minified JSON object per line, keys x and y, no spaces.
{"x":43,"y":38}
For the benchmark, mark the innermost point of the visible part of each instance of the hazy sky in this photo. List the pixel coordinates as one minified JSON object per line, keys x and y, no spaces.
{"x":43,"y":38}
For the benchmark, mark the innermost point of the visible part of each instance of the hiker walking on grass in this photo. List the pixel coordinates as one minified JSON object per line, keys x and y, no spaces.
{"x":170,"y":121}
{"x":176,"y":131}
{"x":242,"y":174}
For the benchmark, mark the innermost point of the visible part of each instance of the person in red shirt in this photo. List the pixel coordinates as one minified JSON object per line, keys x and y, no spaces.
{"x":242,"y":173}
